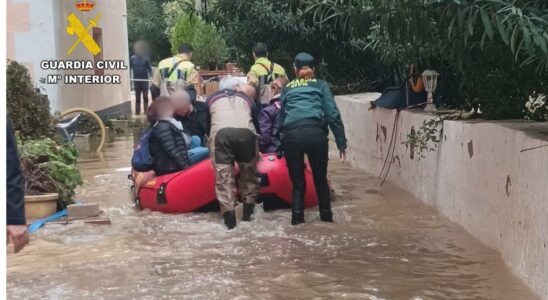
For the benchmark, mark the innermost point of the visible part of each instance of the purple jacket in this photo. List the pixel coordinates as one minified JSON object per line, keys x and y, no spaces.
{"x":268,"y":121}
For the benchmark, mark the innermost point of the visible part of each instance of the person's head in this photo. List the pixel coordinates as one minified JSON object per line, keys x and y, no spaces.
{"x":277,"y":85}
{"x":304,"y":65}
{"x":141,"y":48}
{"x":186,"y":49}
{"x":260,"y":50}
{"x":229,"y":83}
{"x":246,"y":89}
{"x":181,"y":102}
{"x":161,"y":108}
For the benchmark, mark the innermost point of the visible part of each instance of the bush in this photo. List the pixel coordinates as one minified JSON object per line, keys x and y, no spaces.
{"x":490,"y":52}
{"x":29,"y":109}
{"x":49,"y":168}
{"x":208,"y":44}
{"x":287,"y":28}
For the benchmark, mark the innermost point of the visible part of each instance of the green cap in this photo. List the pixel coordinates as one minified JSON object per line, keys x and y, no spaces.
{"x":304,"y":59}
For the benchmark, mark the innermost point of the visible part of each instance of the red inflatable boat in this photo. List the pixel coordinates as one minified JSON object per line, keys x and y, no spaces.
{"x":194,"y":188}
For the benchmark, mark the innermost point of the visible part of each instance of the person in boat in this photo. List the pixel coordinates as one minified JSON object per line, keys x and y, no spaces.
{"x":171,"y":147}
{"x":308,"y":107}
{"x":168,"y":141}
{"x":194,"y":115}
{"x":269,"y":118}
{"x":234,"y":140}
{"x":263,"y":72}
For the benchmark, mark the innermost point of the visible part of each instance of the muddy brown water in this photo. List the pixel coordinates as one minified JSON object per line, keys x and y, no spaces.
{"x":384,"y":245}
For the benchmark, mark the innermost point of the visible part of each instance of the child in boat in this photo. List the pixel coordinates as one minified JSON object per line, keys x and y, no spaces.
{"x":269,"y":120}
{"x":171,"y":147}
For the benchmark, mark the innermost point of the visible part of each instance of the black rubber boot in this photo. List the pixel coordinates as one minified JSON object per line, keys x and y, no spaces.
{"x":230,"y":219}
{"x":248,"y":211}
{"x":297,"y":208}
{"x":326,"y":216}
{"x":324,"y":203}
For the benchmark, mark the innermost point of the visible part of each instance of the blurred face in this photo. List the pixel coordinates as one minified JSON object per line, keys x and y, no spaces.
{"x":165,"y":110}
{"x":181,"y":103}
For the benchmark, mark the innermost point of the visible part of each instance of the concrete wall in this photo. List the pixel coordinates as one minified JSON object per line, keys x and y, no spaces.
{"x":37,"y":31}
{"x":115,"y":47}
{"x":31,"y":39}
{"x":481,"y":176}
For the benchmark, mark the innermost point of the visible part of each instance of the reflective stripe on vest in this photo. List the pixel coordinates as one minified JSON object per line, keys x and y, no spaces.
{"x":183,"y":70}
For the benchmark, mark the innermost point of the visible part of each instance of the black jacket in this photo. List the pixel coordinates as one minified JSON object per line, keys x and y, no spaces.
{"x":199,"y":121}
{"x":140,"y":66}
{"x":15,"y":198}
{"x":168,"y":149}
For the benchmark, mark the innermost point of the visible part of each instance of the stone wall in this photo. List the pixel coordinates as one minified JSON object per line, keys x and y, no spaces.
{"x":486,"y":176}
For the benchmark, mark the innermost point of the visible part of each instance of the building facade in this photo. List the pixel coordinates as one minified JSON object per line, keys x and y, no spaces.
{"x":37,"y":31}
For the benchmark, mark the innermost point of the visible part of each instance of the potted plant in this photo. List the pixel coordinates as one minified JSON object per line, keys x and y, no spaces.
{"x":49,"y":168}
{"x":51,"y":175}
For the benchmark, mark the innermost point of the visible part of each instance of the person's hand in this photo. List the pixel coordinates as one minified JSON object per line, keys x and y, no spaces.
{"x":342,"y":154}
{"x":18,"y":235}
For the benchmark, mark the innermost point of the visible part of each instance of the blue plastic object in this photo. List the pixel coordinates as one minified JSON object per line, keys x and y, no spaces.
{"x":39,"y":223}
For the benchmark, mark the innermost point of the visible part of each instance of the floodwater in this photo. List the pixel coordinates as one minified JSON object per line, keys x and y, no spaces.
{"x":384,"y":245}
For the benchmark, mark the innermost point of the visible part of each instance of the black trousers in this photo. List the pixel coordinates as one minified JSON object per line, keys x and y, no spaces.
{"x":141,"y":88}
{"x":312,"y":141}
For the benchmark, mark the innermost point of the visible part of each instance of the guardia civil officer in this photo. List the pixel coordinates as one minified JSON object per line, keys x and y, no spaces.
{"x":263,"y":72}
{"x":178,"y":68}
{"x":308,"y":108}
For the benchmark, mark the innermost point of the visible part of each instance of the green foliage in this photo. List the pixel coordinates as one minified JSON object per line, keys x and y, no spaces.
{"x":486,"y":50}
{"x":175,"y":10}
{"x":287,"y":29}
{"x":146,"y":21}
{"x":49,"y":168}
{"x":425,"y":139}
{"x":208,"y":44}
{"x":28,"y":108}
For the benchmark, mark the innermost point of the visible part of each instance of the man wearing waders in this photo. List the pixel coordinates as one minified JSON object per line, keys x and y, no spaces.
{"x":262,"y":73}
{"x":307,"y":109}
{"x":233,"y":139}
{"x":174,"y":73}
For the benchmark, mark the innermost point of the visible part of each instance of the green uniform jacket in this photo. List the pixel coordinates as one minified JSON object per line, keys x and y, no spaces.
{"x":312,"y":99}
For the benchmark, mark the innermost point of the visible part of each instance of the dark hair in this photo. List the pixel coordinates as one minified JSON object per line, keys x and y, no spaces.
{"x":260,"y":49}
{"x":160,"y":101}
{"x":185,"y":48}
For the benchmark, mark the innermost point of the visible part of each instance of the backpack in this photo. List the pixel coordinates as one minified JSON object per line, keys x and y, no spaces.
{"x":167,"y":87}
{"x":141,"y":161}
{"x":264,"y":84}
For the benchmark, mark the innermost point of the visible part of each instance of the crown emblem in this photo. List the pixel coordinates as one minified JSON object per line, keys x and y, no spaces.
{"x":85,"y":5}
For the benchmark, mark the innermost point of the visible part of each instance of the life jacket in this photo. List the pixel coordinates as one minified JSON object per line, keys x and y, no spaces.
{"x":173,"y":74}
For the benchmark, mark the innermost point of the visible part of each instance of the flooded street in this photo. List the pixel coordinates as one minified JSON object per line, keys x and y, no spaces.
{"x":384,"y":245}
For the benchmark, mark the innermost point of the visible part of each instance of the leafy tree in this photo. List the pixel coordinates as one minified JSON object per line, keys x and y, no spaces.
{"x":146,"y":21}
{"x":287,"y":29}
{"x":175,"y":10}
{"x":486,"y":50}
{"x":209,"y":46}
